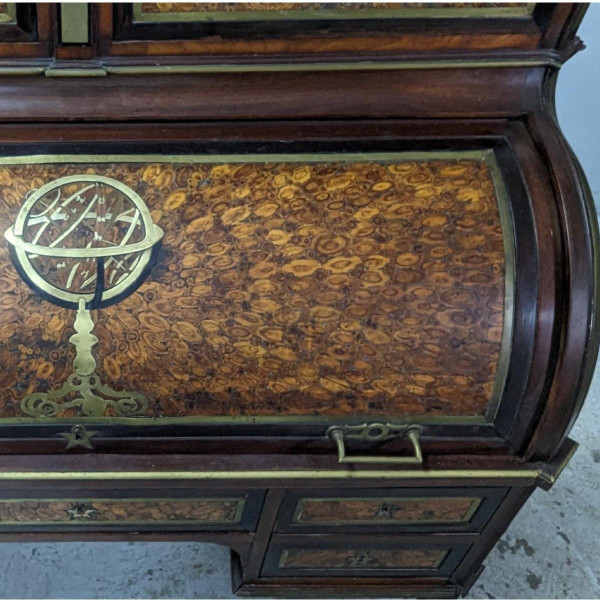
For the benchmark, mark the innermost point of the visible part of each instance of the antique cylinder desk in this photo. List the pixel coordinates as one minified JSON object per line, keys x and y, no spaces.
{"x":316,"y":282}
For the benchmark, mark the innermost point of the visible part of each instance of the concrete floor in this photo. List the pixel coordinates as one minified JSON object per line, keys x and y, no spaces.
{"x":551,"y":550}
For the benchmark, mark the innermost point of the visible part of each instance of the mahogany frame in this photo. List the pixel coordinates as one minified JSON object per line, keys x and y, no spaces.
{"x":492,"y":89}
{"x":542,"y":268}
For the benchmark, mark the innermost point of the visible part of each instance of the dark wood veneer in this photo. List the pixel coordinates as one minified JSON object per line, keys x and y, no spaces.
{"x":422,"y":84}
{"x":32,"y":33}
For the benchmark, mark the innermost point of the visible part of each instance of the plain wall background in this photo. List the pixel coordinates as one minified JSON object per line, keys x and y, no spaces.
{"x":550,"y":551}
{"x":577,"y":99}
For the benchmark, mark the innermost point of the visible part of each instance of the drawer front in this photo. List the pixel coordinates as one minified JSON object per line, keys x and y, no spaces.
{"x":427,"y":557}
{"x":229,"y":511}
{"x":427,"y":509}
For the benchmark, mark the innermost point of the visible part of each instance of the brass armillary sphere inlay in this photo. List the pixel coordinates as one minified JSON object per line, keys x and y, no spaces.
{"x":84,"y":242}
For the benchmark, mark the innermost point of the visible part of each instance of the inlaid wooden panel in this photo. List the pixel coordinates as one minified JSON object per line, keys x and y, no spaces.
{"x":326,"y":10}
{"x":334,"y":558}
{"x":207,"y":511}
{"x":185,"y":7}
{"x":284,"y":287}
{"x":252,"y":29}
{"x":372,"y":511}
{"x":359,"y":555}
{"x":383,"y":510}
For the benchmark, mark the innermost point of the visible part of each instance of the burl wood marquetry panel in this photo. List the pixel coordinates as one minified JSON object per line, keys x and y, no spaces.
{"x":186,"y":7}
{"x":326,"y":9}
{"x":372,"y":511}
{"x":293,"y":289}
{"x":334,"y":558}
{"x":120,"y":511}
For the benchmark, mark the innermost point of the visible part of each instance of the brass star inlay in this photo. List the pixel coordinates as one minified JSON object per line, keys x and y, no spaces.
{"x":78,"y":436}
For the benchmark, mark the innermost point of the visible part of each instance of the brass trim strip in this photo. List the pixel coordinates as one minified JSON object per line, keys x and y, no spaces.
{"x":17,"y":71}
{"x":10,"y":16}
{"x":36,"y":159}
{"x":296,"y":519}
{"x":486,"y":156}
{"x":282,"y":558}
{"x":475,"y":505}
{"x":441,"y":559}
{"x":307,"y":420}
{"x":516,"y":11}
{"x":278,"y":474}
{"x":550,"y":475}
{"x":74,"y":23}
{"x":331,"y":66}
{"x":510,"y":283}
{"x":75,"y":72}
{"x":237,"y":517}
{"x":101,"y":71}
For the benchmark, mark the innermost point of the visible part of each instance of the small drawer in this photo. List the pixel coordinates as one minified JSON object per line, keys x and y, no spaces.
{"x":176,"y":510}
{"x":434,"y":510}
{"x":352,"y":557}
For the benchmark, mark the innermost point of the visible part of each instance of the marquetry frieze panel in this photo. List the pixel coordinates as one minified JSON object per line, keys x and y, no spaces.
{"x":324,"y":10}
{"x":334,"y":558}
{"x":207,"y":511}
{"x":372,"y":511}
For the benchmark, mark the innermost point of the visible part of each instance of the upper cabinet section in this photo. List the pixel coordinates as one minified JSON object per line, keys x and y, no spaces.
{"x":130,"y":35}
{"x":26,"y":30}
{"x":275,"y":31}
{"x":292,"y":60}
{"x":318,"y":28}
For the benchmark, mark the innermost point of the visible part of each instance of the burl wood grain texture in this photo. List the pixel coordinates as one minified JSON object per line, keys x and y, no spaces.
{"x":186,"y":7}
{"x":284,"y":289}
{"x":360,"y":559}
{"x":386,"y":510}
{"x":107,"y":511}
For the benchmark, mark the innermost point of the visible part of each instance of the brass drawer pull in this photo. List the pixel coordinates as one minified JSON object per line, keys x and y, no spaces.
{"x":376,"y":432}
